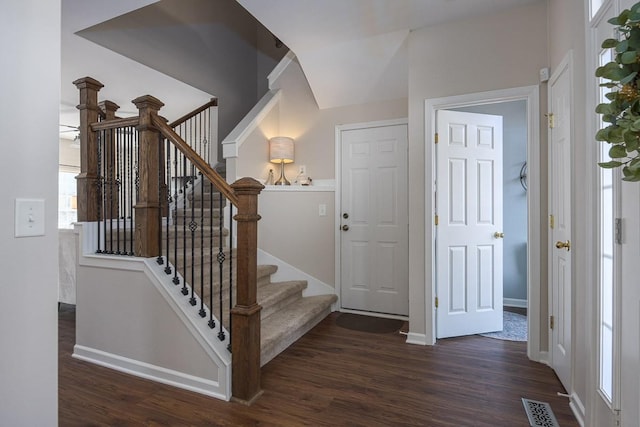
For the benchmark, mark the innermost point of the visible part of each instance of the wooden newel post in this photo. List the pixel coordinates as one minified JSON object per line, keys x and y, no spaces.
{"x":147,"y":208}
{"x":87,"y":180}
{"x":245,"y":332}
{"x":111,"y":189}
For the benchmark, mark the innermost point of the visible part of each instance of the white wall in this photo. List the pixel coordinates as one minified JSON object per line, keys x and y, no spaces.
{"x":30,"y":85}
{"x":131,"y":317}
{"x":310,"y":242}
{"x":485,"y":53}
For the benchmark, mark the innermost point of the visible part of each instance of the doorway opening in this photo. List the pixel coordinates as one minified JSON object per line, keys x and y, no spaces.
{"x":514,"y":214}
{"x":524,"y":250}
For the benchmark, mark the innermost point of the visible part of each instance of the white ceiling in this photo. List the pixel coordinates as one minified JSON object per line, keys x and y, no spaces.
{"x":352,"y":51}
{"x":124,"y":79}
{"x":355,"y":51}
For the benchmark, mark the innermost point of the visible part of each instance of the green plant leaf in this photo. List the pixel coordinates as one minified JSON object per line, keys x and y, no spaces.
{"x":603,"y":134}
{"x":617,"y":152}
{"x":604,"y":109}
{"x":632,"y":143}
{"x":622,"y":46}
{"x":609,"y":43}
{"x":611,"y":95}
{"x":615,"y":135}
{"x":628,"y":78}
{"x":629,"y":57}
{"x":611,"y":164}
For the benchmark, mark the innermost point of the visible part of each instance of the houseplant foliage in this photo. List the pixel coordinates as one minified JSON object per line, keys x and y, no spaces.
{"x":622,"y":113}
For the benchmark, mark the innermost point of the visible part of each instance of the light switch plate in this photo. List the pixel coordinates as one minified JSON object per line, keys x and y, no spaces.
{"x":29,"y":217}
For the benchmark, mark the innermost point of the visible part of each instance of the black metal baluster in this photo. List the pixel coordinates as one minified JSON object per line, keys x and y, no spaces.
{"x":221,"y":259}
{"x":99,"y":185}
{"x":212,"y":323}
{"x":159,"y":259}
{"x":130,"y":182}
{"x":184,"y":289}
{"x":109,"y":175}
{"x":202,"y":311}
{"x":230,"y":272}
{"x":193,"y":226}
{"x":176,"y":279}
{"x":119,"y":195}
{"x":207,"y":132}
{"x":169,"y":201}
{"x":124,"y":185}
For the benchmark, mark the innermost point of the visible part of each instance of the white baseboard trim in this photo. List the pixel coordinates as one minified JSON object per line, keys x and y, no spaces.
{"x":577,"y":407}
{"x":543,"y":357}
{"x":514,"y":302}
{"x":419,"y":339}
{"x":150,"y":372}
{"x":289,"y":272}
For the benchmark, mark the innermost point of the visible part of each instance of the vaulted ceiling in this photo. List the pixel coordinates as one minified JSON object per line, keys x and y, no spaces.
{"x":355,"y":51}
{"x":352,"y":51}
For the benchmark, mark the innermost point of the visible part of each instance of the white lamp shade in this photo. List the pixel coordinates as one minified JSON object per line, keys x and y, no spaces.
{"x":281,"y":149}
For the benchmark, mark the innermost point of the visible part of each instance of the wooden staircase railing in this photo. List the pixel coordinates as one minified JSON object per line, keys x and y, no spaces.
{"x":100,"y":176}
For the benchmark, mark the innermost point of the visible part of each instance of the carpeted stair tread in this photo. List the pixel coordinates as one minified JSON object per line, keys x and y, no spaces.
{"x":276,"y":296}
{"x":264,"y":273}
{"x":283,"y":328}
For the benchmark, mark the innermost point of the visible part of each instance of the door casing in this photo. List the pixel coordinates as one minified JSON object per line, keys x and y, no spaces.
{"x":529,"y":94}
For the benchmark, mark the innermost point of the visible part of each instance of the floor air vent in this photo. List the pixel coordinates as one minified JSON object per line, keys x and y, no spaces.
{"x":539,"y":413}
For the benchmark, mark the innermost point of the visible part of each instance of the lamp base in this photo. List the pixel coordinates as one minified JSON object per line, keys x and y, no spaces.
{"x":282,"y":180}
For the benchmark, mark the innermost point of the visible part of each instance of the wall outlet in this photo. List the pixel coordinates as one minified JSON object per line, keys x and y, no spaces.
{"x":302,"y":169}
{"x":322,"y":210}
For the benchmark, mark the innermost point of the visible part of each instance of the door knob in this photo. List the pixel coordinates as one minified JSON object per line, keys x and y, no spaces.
{"x":345,"y":227}
{"x":498,"y":235}
{"x":561,"y":245}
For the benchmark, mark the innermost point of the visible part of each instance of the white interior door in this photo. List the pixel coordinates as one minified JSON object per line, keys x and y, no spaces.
{"x":374,"y":265}
{"x":469,"y":230}
{"x":560,"y":227}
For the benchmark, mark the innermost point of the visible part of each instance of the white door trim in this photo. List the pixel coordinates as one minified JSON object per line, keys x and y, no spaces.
{"x":338,"y":195}
{"x":530,"y":94}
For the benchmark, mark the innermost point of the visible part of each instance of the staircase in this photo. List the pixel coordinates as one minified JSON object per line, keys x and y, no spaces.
{"x":148,"y":190}
{"x":286,"y":315}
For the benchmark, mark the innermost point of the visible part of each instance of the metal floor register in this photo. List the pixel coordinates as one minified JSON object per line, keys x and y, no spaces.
{"x":539,"y":413}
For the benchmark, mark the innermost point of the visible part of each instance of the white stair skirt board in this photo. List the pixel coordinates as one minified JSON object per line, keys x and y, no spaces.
{"x":150,"y":372}
{"x":514,"y":302}
{"x":288,"y":272}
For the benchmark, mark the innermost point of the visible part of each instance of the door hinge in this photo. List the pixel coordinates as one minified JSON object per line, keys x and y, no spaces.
{"x":435,"y":138}
{"x":551,"y":322}
{"x":618,"y":230}
{"x":436,"y":220}
{"x":436,"y":302}
{"x":552,"y":222}
{"x":551,"y":120}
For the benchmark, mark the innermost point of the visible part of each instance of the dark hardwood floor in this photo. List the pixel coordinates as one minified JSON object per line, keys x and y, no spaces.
{"x":330,"y":377}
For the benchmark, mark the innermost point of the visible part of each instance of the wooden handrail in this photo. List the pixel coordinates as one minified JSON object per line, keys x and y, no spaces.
{"x":219,"y":182}
{"x":212,"y":103}
{"x":115,"y":123}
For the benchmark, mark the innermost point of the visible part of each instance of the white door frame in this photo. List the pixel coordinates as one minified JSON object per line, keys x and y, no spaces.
{"x":529,"y":94}
{"x":338,"y":198}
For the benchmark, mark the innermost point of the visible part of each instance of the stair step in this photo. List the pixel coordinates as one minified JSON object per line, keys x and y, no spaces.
{"x":274,"y":297}
{"x":283,"y":328}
